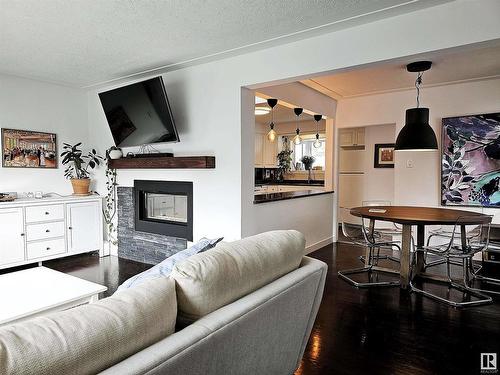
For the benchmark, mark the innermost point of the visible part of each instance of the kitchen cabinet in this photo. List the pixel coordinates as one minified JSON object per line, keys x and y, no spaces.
{"x":259,"y":150}
{"x":265,"y":151}
{"x":352,"y":137}
{"x":270,"y":153}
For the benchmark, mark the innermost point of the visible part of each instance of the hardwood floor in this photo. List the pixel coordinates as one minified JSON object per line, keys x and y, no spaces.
{"x":371,"y":331}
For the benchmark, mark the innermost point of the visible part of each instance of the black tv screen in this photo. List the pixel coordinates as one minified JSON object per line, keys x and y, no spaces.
{"x":139,"y":114}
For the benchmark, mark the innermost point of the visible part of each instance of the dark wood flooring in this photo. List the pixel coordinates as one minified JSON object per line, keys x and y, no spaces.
{"x":374,"y":331}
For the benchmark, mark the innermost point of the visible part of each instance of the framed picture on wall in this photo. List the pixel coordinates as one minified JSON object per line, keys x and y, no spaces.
{"x":470,"y":160}
{"x":384,"y":155}
{"x":28,"y":149}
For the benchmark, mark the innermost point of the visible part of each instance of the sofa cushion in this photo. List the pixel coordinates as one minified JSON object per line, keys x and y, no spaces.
{"x":90,"y":338}
{"x":165,"y":267}
{"x":210,"y":280}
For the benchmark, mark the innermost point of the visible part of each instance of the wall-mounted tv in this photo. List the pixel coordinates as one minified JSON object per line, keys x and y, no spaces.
{"x":139,"y":114}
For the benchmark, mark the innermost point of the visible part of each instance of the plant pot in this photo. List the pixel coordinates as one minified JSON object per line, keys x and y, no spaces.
{"x":80,"y":186}
{"x":115,"y":154}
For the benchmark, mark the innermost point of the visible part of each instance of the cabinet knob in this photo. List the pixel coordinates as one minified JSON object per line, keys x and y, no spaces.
{"x":48,"y":248}
{"x":22,"y":234}
{"x":46,"y":213}
{"x":47,"y":231}
{"x":70,"y":228}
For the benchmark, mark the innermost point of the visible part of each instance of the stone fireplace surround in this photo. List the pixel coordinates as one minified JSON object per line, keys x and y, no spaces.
{"x":139,"y":246}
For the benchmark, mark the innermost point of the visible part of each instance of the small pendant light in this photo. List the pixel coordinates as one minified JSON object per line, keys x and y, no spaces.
{"x":271,"y":135}
{"x":417,"y":134}
{"x":317,"y":142}
{"x":297,"y":139}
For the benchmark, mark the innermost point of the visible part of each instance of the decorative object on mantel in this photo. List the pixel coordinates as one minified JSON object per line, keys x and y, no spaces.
{"x":114,"y":153}
{"x":271,"y":135}
{"x":470,"y":160}
{"x":28,"y":149}
{"x":162,"y":162}
{"x":417,"y":134}
{"x":78,"y":165}
{"x":384,"y":155}
{"x":297,"y":139}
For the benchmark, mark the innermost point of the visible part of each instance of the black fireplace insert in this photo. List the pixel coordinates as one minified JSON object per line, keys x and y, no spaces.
{"x":164,"y":207}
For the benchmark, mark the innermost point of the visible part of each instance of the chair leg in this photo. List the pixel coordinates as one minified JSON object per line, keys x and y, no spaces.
{"x":472,"y":275}
{"x":344,"y":274}
{"x":482,"y":299}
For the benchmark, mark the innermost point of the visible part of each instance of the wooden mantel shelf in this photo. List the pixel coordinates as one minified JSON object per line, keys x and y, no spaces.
{"x":177,"y":162}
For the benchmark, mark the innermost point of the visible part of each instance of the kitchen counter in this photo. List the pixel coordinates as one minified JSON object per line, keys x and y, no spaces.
{"x":273,"y":197}
{"x":292,"y":182}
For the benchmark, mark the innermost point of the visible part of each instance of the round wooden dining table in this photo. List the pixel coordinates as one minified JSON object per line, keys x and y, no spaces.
{"x":409,"y":216}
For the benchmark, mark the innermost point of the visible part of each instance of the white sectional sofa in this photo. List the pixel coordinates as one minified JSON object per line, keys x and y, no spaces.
{"x":247,"y":307}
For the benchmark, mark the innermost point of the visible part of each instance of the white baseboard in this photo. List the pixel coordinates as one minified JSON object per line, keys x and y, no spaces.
{"x":319,"y":245}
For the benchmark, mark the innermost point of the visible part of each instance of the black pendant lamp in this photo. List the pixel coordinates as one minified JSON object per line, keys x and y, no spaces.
{"x":317,"y":142}
{"x":417,"y":134}
{"x":271,"y":135}
{"x":297,"y":139}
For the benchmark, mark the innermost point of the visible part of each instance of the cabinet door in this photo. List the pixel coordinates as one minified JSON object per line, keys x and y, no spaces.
{"x":12,"y":235}
{"x":84,"y":227}
{"x":270,"y":153}
{"x":360,"y":136}
{"x":259,"y":150}
{"x":346,"y":137}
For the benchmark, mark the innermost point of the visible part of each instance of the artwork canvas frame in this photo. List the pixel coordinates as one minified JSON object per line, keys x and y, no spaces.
{"x":384,"y":155}
{"x":470,"y":160}
{"x":29,"y":149}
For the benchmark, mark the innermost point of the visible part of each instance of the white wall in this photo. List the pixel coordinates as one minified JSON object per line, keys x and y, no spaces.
{"x":32,"y":105}
{"x":420,"y":185}
{"x":215,"y":119}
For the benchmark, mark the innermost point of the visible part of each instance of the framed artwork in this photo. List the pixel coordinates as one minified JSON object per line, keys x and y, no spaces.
{"x":384,"y":155}
{"x":28,"y":149}
{"x":470,"y":160}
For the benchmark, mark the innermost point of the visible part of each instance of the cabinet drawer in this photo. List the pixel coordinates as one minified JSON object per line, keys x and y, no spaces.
{"x":35,"y":232}
{"x":43,"y":249}
{"x":44,"y":213}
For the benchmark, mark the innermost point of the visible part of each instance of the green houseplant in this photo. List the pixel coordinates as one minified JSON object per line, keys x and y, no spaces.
{"x":284,"y":162}
{"x":78,"y":165}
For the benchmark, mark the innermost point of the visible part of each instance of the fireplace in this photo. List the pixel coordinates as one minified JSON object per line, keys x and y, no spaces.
{"x":164,"y":207}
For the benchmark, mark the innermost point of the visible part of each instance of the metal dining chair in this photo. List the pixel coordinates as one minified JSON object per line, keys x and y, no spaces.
{"x":357,"y":234}
{"x":384,"y":231}
{"x":453,"y":251}
{"x":445,"y":233}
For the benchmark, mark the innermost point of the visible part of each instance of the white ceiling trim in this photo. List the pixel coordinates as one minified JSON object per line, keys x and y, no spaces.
{"x":314,"y":85}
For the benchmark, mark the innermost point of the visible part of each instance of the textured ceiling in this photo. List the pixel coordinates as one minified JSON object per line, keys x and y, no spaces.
{"x":451,"y":67}
{"x":83,"y":42}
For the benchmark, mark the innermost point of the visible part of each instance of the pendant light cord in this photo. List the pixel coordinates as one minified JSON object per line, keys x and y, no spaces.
{"x":418,"y":82}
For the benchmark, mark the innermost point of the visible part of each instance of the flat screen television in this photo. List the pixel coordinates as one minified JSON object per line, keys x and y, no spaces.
{"x":139,"y":114}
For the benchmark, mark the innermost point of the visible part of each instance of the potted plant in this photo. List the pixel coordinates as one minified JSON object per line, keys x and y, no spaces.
{"x":78,"y":165}
{"x":308,"y":161}
{"x":284,"y":162}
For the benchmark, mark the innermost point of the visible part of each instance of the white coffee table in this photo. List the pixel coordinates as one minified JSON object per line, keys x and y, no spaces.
{"x":40,"y":290}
